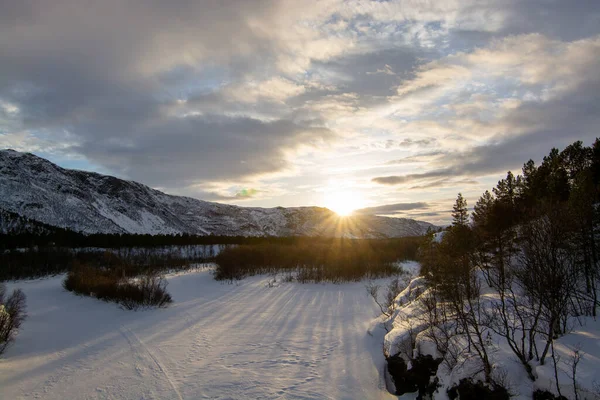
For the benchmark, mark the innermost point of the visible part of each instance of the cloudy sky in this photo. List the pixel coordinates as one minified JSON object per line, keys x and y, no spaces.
{"x":391,"y":105}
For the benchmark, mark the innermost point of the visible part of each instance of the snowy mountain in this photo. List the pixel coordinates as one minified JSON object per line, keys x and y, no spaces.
{"x":14,"y":224}
{"x":88,"y":202}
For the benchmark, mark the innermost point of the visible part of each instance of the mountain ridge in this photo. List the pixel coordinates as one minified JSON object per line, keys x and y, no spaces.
{"x":89,"y":202}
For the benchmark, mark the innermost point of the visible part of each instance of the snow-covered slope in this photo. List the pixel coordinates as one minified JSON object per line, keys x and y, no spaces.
{"x":410,"y":336}
{"x":12,"y":223}
{"x":89,"y":202}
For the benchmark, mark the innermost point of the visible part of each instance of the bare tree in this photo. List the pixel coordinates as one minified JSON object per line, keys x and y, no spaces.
{"x":12,"y":315}
{"x":514,"y":317}
{"x":549,"y":273}
{"x":468,"y":309}
{"x":441,"y":327}
{"x":575,"y":359}
{"x":387,"y":306}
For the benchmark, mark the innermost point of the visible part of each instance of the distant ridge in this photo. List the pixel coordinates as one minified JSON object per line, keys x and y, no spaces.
{"x":88,"y":202}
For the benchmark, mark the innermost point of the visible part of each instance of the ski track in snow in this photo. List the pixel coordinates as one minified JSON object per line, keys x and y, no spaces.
{"x":217,"y":341}
{"x":135,"y":343}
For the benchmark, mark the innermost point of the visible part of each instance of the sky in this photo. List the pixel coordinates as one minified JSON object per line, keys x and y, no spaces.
{"x":389,"y":106}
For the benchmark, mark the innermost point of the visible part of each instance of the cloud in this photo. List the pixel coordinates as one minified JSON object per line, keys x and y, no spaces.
{"x":415,"y":142}
{"x":559,"y":121}
{"x":417,"y":158}
{"x":497,"y":104}
{"x":242,"y":194}
{"x":532,"y":60}
{"x":392,"y":208}
{"x":209,"y":97}
{"x":219,"y":147}
{"x":107,"y":73}
{"x":387,"y":70}
{"x":246,"y":193}
{"x":391,"y":180}
{"x":446,"y":182}
{"x":431,"y":179}
{"x":275,"y":89}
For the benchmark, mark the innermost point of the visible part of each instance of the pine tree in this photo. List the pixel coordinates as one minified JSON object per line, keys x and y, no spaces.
{"x":482,"y":210}
{"x":595,"y":167}
{"x":553,"y":175}
{"x":529,"y":187}
{"x":576,"y":159}
{"x":506,"y":190}
{"x":460,"y":214}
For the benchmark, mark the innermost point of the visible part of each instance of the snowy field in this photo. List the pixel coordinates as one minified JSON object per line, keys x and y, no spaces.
{"x":216,"y":341}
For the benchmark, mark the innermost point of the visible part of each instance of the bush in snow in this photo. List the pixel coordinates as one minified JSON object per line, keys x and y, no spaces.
{"x":112,"y":285}
{"x":12,"y":314}
{"x":546,"y":395}
{"x":467,"y":389}
{"x":417,"y":378}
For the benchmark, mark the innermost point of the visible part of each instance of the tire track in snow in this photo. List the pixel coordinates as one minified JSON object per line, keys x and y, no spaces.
{"x":131,"y":337}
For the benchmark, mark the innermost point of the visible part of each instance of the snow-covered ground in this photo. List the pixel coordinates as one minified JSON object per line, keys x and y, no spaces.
{"x":217,"y":340}
{"x":408,"y":336}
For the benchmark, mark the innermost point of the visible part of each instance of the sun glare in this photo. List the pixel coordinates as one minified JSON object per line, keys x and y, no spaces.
{"x":343,"y":203}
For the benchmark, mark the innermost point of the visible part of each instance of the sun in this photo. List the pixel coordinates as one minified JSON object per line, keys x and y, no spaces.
{"x":343,"y":203}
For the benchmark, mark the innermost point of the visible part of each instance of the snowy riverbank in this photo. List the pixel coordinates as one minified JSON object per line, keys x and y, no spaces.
{"x":409,"y":336}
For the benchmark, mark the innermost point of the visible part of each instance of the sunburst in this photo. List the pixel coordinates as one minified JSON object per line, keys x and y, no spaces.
{"x":343,"y":203}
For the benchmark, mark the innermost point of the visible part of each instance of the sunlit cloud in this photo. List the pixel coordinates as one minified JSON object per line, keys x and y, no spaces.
{"x":277,"y":103}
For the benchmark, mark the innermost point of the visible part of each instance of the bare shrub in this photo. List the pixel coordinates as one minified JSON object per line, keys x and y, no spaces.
{"x":387,"y":306}
{"x":575,"y":359}
{"x":12,"y":315}
{"x":442,"y":328}
{"x":149,"y":290}
{"x":549,"y":274}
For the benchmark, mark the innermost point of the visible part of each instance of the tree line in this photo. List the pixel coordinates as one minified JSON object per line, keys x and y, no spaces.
{"x":317,"y":259}
{"x":534,"y":242}
{"x":44,"y":261}
{"x":51,"y":236}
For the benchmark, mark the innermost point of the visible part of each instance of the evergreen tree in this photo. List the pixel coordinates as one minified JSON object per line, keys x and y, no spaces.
{"x":576,"y":159}
{"x":553,"y":178}
{"x":595,"y":167}
{"x":460,"y":213}
{"x":536,"y":241}
{"x":529,"y":188}
{"x":507,"y":189}
{"x":482,"y":211}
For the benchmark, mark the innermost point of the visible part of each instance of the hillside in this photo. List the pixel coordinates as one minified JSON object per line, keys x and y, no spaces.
{"x":14,"y":224}
{"x":88,"y":202}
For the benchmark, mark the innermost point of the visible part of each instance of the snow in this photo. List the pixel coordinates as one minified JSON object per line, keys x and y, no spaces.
{"x":409,"y":327}
{"x":228,"y":341}
{"x":586,"y":339}
{"x":148,"y":223}
{"x":437,"y":237}
{"x":411,"y":268}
